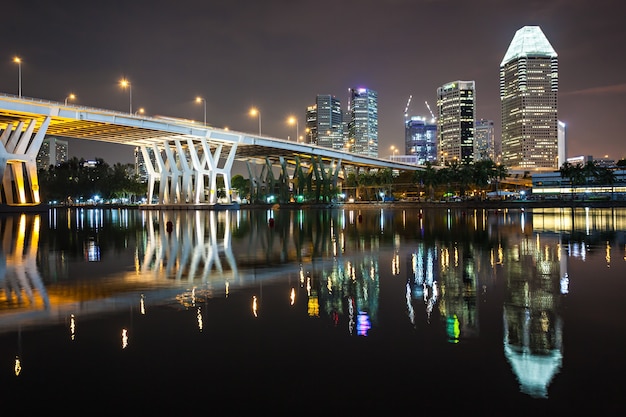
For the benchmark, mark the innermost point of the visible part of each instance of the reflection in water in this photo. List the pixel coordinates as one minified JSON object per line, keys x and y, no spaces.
{"x":533,"y":342}
{"x":451,"y":263}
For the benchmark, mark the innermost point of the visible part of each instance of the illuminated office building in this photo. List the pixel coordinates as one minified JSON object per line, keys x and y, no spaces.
{"x":528,"y":96}
{"x":420,"y":137}
{"x":328,"y":129}
{"x":456,"y":104}
{"x":363,"y":124}
{"x":484,"y":141}
{"x":53,"y":151}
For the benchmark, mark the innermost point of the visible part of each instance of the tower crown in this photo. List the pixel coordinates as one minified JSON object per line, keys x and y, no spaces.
{"x":529,"y":41}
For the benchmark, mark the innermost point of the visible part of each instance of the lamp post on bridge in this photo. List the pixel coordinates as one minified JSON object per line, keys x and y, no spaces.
{"x":70,"y":97}
{"x":125,"y":83}
{"x":292,"y":120}
{"x":18,"y":61}
{"x":203,"y":101}
{"x":255,"y":112}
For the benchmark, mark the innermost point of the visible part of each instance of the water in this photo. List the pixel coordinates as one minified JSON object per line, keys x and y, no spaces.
{"x":504,"y":312}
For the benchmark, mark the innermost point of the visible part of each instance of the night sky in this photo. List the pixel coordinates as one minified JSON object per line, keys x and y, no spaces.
{"x":277,"y":55}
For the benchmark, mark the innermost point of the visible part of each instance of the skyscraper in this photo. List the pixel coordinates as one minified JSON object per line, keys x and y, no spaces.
{"x":456,"y":104}
{"x":53,"y":151}
{"x":484,"y":140}
{"x":329,"y":128}
{"x":528,"y":95}
{"x":420,"y":137}
{"x":363,"y":125}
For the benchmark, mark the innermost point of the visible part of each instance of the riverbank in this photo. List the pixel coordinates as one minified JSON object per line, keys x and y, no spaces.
{"x":468,"y":204}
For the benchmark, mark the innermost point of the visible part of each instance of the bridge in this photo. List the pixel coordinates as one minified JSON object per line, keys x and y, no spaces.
{"x":183,"y":157}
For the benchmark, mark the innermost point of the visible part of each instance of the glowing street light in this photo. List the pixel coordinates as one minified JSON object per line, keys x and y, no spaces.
{"x":70,"y":97}
{"x":18,"y":61}
{"x":203,"y":101}
{"x":125,"y":83}
{"x":292,"y":120}
{"x":255,"y":112}
{"x":394,"y":150}
{"x":140,"y":111}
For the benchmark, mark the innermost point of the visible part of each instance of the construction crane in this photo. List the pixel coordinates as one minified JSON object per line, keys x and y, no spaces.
{"x":431,"y":112}
{"x":406,"y":109}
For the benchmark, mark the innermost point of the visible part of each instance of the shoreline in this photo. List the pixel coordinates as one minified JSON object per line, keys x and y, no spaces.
{"x":368,"y":205}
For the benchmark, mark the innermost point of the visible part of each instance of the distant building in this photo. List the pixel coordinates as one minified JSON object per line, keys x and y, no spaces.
{"x":311,"y":125}
{"x":53,"y":151}
{"x":363,"y":124}
{"x":420,"y":140}
{"x":329,"y":129}
{"x":484,"y":141}
{"x":562,"y":143}
{"x":456,"y":104}
{"x":528,"y":96}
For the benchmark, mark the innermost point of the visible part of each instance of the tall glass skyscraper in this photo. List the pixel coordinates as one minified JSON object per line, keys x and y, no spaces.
{"x":528,"y":95}
{"x":329,"y":128}
{"x":456,"y":104}
{"x":363,"y":125}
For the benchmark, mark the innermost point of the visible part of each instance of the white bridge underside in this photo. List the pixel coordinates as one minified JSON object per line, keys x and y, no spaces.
{"x":188,"y":156}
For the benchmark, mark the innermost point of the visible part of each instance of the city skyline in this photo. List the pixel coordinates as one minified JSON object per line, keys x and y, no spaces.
{"x":238,"y":56}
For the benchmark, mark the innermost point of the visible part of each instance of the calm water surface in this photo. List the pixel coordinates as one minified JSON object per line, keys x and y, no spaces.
{"x":503,"y":312}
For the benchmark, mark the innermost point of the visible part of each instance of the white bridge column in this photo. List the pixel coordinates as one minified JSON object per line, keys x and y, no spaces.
{"x":18,"y":158}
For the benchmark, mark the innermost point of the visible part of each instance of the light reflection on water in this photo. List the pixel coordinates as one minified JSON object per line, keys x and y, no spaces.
{"x":450,"y":268}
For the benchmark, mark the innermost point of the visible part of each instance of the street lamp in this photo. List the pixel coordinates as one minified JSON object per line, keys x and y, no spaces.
{"x":203,"y":101}
{"x":255,"y":112}
{"x":309,"y":132}
{"x":70,"y":97}
{"x":292,"y":120}
{"x":140,"y":111}
{"x":18,"y":61}
{"x":125,"y":83}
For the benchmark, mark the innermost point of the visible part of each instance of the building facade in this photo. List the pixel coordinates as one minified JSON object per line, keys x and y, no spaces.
{"x":485,"y":141}
{"x":53,"y":151}
{"x":329,"y":129}
{"x":528,"y":96}
{"x":456,"y":105}
{"x":363,"y":124}
{"x":420,"y":140}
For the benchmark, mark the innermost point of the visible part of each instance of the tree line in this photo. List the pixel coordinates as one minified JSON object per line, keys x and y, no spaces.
{"x":78,"y":180}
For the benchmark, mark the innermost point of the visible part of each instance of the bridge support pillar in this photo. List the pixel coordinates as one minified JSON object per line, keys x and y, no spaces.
{"x":18,"y":165}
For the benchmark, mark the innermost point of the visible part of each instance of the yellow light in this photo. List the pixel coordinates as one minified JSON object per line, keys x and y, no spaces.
{"x":17,"y":60}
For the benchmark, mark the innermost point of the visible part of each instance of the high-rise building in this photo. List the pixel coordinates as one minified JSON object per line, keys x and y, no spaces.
{"x":528,"y":95}
{"x":562,"y":143}
{"x":53,"y":151}
{"x":484,"y":140}
{"x":420,"y":139}
{"x":311,"y":125}
{"x":456,"y":104}
{"x":329,"y":128}
{"x":363,"y":125}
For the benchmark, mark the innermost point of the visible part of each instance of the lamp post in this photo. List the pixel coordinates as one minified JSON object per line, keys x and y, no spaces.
{"x":18,"y":61}
{"x":256,"y":112}
{"x":70,"y":97}
{"x":292,"y":120}
{"x":125,"y":83}
{"x":140,"y":111}
{"x":203,"y":101}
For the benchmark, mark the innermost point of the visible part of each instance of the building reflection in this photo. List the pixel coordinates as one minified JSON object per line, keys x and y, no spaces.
{"x":533,"y":328}
{"x":447,"y":264}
